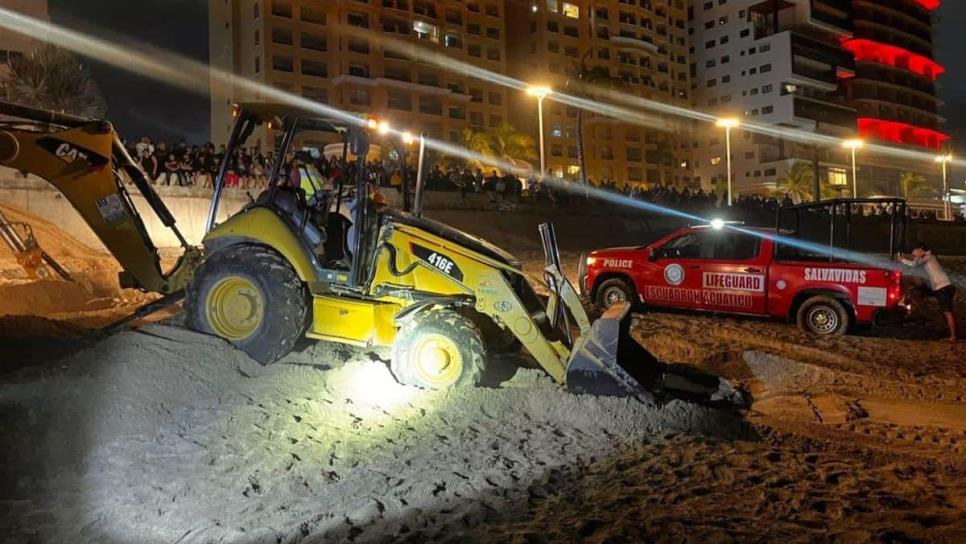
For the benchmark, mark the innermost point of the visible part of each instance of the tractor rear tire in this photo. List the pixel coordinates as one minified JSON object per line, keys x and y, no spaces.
{"x":824,"y":316}
{"x":250,"y":296}
{"x":438,"y":349}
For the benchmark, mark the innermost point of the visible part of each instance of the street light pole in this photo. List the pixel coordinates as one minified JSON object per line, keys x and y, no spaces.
{"x":543,"y":155}
{"x":418,"y":205}
{"x":728,"y":157}
{"x":947,"y":211}
{"x":853,"y":145}
{"x":541,"y":93}
{"x":855,"y":177}
{"x":728,"y":124}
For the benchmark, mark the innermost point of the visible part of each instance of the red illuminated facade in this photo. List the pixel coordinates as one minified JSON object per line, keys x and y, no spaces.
{"x":890,"y":55}
{"x":891,"y":131}
{"x":928,"y":4}
{"x":894,"y":88}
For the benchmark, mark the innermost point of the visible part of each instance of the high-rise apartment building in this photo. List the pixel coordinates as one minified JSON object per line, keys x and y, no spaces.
{"x":777,"y":63}
{"x":643,"y":44}
{"x":894,"y":88}
{"x":338,"y":52}
{"x":13,"y":44}
{"x":848,"y":68}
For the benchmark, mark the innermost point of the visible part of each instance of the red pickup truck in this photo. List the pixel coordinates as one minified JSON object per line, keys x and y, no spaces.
{"x":730,"y":271}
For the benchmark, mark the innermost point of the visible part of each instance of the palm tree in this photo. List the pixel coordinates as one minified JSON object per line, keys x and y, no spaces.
{"x":914,"y":185}
{"x":511,"y":145}
{"x":54,"y":79}
{"x":798,"y":182}
{"x":480,"y":143}
{"x":583,"y":78}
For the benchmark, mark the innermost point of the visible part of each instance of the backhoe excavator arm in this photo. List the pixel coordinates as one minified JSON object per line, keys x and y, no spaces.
{"x":83,"y":159}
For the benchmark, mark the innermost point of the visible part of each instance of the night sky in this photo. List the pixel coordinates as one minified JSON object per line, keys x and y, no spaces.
{"x":142,"y":106}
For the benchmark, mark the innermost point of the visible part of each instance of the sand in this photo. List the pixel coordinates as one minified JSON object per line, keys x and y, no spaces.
{"x":166,"y":435}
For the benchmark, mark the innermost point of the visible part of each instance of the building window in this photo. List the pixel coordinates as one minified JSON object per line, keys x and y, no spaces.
{"x":360,"y":20}
{"x":359,"y":97}
{"x":496,"y":99}
{"x":767,"y":109}
{"x":726,"y":59}
{"x":474,"y":50}
{"x":838,"y":176}
{"x":356,"y":45}
{"x":282,"y":63}
{"x":744,"y":33}
{"x":724,"y":40}
{"x":257,"y":12}
{"x":453,"y":40}
{"x":431,"y":105}
{"x":400,"y":100}
{"x":426,"y":31}
{"x":766,"y":68}
{"x":258,"y":65}
{"x":709,"y":44}
{"x":318,"y":43}
{"x":765,"y":89}
{"x":726,"y":78}
{"x":316,"y":94}
{"x":314,"y":68}
{"x":553,"y":6}
{"x":358,"y":69}
{"x":571,"y":10}
{"x":282,"y":36}
{"x":712,"y":82}
{"x":715,"y":161}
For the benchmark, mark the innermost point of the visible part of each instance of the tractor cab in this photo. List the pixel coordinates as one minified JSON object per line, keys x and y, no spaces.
{"x":317,"y":196}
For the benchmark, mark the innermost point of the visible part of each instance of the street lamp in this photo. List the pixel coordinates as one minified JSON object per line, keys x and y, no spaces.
{"x":540,"y":92}
{"x":852,"y":145}
{"x":944,"y":159}
{"x":728,"y":124}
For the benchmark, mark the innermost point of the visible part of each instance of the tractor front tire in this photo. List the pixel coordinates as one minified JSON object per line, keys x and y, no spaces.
{"x":438,"y":349}
{"x":250,"y":296}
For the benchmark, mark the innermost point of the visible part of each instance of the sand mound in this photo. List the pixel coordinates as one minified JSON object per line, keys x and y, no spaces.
{"x":92,"y":298}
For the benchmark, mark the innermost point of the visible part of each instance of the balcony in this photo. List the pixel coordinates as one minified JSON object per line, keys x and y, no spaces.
{"x":823,"y":112}
{"x":631,"y":41}
{"x":833,"y":13}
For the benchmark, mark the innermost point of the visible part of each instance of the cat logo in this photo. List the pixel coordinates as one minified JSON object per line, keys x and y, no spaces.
{"x":71,"y":153}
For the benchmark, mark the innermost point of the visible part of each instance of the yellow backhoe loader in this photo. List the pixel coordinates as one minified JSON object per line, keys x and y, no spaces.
{"x":287,"y":266}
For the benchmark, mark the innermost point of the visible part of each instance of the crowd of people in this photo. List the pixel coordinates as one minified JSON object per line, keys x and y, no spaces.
{"x":249,"y":168}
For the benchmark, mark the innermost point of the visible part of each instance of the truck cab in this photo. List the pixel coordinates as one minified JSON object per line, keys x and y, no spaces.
{"x":742,"y":271}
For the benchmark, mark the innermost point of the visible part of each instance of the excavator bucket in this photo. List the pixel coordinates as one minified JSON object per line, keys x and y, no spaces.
{"x":608,"y":361}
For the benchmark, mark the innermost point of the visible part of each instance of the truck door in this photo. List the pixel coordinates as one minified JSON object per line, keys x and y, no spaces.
{"x":673,"y":278}
{"x":735,"y":278}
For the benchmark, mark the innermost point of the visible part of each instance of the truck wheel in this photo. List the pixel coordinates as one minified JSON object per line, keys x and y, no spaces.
{"x":824,"y":316}
{"x":250,"y":296}
{"x":615,"y":291}
{"x":437,"y":349}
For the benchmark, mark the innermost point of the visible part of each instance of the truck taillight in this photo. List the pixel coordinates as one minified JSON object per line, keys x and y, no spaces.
{"x":894,"y":289}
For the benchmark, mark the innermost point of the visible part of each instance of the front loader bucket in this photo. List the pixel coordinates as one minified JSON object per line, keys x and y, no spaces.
{"x":609,"y":362}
